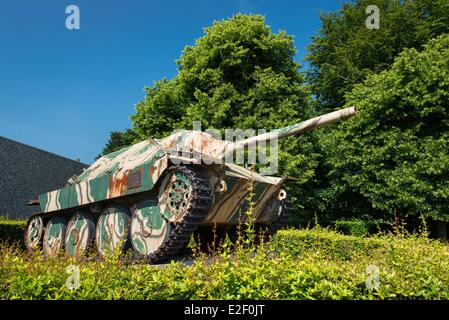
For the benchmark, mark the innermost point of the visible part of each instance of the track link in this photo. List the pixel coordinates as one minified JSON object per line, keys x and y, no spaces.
{"x":199,"y":206}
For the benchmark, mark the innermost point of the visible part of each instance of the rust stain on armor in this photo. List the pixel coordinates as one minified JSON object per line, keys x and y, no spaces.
{"x":118,"y":184}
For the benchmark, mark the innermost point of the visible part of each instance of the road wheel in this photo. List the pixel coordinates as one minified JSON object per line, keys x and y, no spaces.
{"x":54,"y":236}
{"x":79,"y":234}
{"x":33,"y":232}
{"x":112,"y":230}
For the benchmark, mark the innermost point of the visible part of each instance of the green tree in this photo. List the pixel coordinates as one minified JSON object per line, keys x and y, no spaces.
{"x":118,"y":140}
{"x":161,"y":110}
{"x":345,"y":52}
{"x":393,"y":157}
{"x":238,"y":75}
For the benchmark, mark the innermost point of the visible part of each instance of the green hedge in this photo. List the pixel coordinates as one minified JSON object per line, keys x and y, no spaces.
{"x":352,"y":227}
{"x":11,"y":230}
{"x":325,"y":242}
{"x":297,"y":264}
{"x":361,"y":227}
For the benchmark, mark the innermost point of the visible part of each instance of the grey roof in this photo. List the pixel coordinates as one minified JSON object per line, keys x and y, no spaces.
{"x":26,"y":172}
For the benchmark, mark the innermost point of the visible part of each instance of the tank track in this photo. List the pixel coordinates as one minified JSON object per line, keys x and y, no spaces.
{"x":200,"y":204}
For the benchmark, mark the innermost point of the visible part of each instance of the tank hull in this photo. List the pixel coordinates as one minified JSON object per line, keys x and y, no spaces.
{"x":229,"y":206}
{"x":133,"y":174}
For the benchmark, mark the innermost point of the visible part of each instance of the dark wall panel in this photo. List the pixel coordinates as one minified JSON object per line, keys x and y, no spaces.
{"x":26,"y":172}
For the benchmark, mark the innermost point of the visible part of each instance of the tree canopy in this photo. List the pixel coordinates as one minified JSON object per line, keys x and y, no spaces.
{"x":393,"y":157}
{"x":118,"y":140}
{"x":345,"y":52}
{"x":239,"y":74}
{"x":242,"y":75}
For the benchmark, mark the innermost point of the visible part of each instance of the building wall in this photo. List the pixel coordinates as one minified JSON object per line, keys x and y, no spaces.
{"x":26,"y":172}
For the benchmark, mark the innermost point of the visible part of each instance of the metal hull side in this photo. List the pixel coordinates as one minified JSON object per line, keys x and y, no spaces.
{"x":120,"y":183}
{"x":231,"y":206}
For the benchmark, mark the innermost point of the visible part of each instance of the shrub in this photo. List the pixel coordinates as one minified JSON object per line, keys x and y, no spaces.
{"x":324,"y":242}
{"x":391,"y":159}
{"x":11,"y":230}
{"x":352,"y":227}
{"x":297,"y":264}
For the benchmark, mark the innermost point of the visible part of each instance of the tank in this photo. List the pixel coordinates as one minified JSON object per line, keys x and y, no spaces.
{"x":150,"y":198}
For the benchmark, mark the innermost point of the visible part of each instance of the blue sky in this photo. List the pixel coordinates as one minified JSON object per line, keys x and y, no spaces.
{"x":65,"y":90}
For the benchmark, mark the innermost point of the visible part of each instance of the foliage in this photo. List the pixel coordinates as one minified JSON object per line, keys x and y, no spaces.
{"x":345,"y":52}
{"x":355,"y":227}
{"x":11,"y":230}
{"x":326,"y":243}
{"x":118,"y":140}
{"x":392,"y":158}
{"x":238,"y":75}
{"x":299,"y":264}
{"x":365,"y":225}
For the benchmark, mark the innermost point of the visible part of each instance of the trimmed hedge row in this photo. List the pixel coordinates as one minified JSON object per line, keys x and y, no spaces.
{"x":297,"y":264}
{"x":325,"y":242}
{"x":12,"y":230}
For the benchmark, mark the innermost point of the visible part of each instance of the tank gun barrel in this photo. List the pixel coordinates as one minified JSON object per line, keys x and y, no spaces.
{"x":295,"y":129}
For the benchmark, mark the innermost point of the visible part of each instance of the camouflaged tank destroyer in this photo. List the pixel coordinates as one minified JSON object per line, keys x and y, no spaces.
{"x":140,"y":197}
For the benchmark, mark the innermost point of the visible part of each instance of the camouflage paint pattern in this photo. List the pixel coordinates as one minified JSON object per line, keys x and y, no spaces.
{"x":111,"y":232}
{"x":79,"y":234}
{"x":148,"y":228}
{"x":230,"y":204}
{"x":137,"y":169}
{"x":34,"y":232}
{"x":110,"y":177}
{"x":128,"y":171}
{"x":54,"y":236}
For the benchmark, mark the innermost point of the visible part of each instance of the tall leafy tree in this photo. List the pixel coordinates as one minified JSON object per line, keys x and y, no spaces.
{"x":345,"y":52}
{"x":161,"y":110}
{"x":238,"y":75}
{"x":393,"y":157}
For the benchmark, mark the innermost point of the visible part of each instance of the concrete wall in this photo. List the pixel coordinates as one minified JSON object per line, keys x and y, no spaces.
{"x":26,"y":172}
